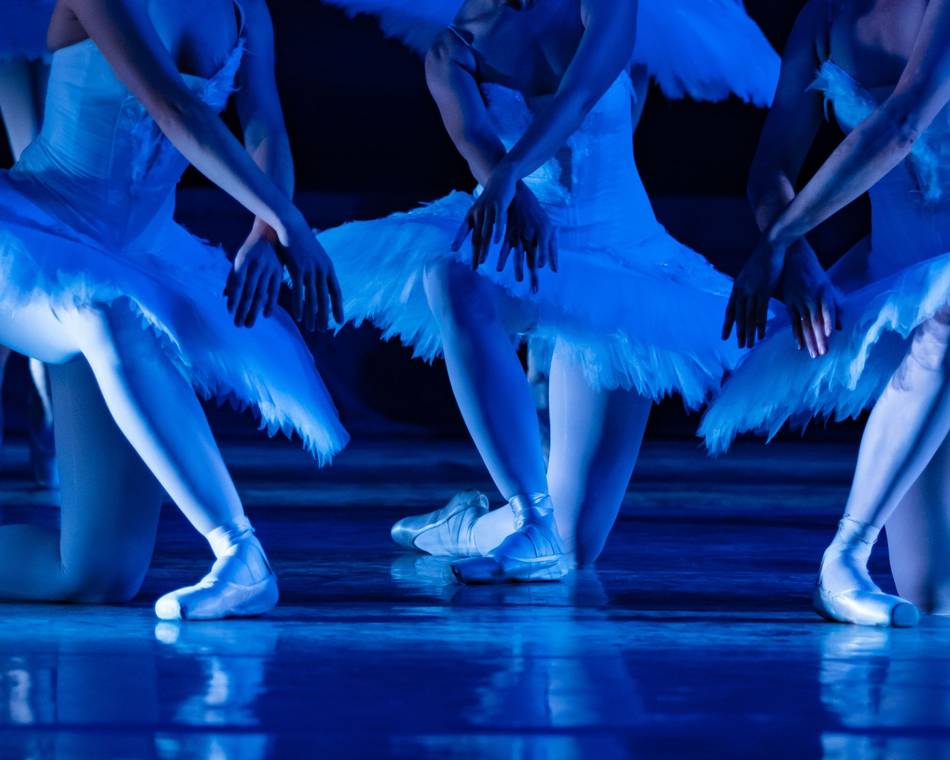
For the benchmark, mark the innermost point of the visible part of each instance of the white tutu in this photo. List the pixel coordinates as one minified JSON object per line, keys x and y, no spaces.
{"x":906,"y":282}
{"x":23,"y":28}
{"x":704,"y":49}
{"x":636,"y":308}
{"x":86,"y":219}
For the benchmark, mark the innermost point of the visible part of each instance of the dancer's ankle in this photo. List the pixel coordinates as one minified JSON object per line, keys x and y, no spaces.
{"x":531,"y":508}
{"x":224,"y":538}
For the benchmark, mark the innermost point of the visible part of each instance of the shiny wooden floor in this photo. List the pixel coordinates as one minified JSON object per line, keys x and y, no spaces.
{"x":693,"y":638}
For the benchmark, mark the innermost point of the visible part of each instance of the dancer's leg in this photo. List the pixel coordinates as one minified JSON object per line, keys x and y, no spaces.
{"x":906,"y":428}
{"x":494,"y":397}
{"x":156,"y":409}
{"x":918,"y":538}
{"x":487,"y":378}
{"x":595,"y":441}
{"x":109,"y":509}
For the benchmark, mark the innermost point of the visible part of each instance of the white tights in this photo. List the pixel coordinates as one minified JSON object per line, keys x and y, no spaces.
{"x":595,"y":434}
{"x":902,"y":476}
{"x":110,"y":504}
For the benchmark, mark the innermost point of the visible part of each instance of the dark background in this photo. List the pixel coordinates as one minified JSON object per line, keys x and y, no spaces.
{"x":368,"y":141}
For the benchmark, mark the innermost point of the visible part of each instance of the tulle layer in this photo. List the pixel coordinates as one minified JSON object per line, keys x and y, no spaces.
{"x":704,"y":49}
{"x":707,"y":50}
{"x":776,"y":384}
{"x":23,"y":28}
{"x":642,"y":318}
{"x":175,"y":288}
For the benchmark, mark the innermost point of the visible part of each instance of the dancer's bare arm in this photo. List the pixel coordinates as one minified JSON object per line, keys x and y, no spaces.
{"x":605,"y":50}
{"x":126,"y":37}
{"x":790,"y":129}
{"x":868,"y":153}
{"x":450,"y":73}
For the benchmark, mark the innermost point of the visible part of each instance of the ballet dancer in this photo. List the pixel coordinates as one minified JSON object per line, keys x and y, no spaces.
{"x":95,"y":267}
{"x":23,"y":70}
{"x":536,"y":97}
{"x":885,"y":69}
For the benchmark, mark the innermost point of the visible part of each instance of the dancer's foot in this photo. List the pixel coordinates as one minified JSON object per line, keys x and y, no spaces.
{"x":845,"y":592}
{"x":241,"y":583}
{"x":532,"y":553}
{"x":447,"y":532}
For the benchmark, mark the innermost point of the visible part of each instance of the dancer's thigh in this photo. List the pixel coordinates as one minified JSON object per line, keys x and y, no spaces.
{"x":110,"y":500}
{"x":457,"y":294}
{"x":36,"y":331}
{"x":918,"y":537}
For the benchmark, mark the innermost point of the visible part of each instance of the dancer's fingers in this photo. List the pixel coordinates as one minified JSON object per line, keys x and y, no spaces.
{"x":336,"y":297}
{"x":748,"y":323}
{"x":500,"y":224}
{"x":815,"y":319}
{"x":553,"y":252}
{"x":808,"y":331}
{"x":532,"y":258}
{"x":258,"y":301}
{"x":248,"y":290}
{"x":829,"y":311}
{"x":299,"y":293}
{"x":519,"y":262}
{"x":503,"y":254}
{"x":730,"y":317}
{"x":236,"y":285}
{"x":487,"y":229}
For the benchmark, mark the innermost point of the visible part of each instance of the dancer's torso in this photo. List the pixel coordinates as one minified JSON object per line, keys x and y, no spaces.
{"x":591,"y":187}
{"x":100,"y":163}
{"x":869,"y":42}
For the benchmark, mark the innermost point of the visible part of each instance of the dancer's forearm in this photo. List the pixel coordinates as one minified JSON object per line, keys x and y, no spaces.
{"x":604,"y":53}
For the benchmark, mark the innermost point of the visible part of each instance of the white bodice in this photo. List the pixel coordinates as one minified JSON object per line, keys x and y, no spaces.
{"x":910,"y":207}
{"x":590,"y":188}
{"x":100,"y":163}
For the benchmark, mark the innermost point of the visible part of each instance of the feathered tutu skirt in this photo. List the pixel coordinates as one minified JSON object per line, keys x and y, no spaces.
{"x":640,"y":313}
{"x":776,"y":384}
{"x":173,"y":282}
{"x":23,"y":28}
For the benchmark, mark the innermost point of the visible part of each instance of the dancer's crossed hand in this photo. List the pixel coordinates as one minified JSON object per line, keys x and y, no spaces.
{"x":315,"y":288}
{"x":254,"y":281}
{"x":813,"y":302}
{"x":487,"y":219}
{"x":530,"y":238}
{"x":748,"y":306}
{"x":508,"y":212}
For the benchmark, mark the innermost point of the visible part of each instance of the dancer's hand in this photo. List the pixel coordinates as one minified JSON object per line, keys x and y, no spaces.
{"x":486,"y":219}
{"x":254,"y":281}
{"x":748,"y":306}
{"x":315,"y":287}
{"x":813,"y":302}
{"x":529,"y":237}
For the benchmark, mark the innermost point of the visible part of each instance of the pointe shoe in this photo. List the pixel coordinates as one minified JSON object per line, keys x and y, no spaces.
{"x":447,"y":532}
{"x":532,"y":553}
{"x":240,"y":584}
{"x":845,"y":592}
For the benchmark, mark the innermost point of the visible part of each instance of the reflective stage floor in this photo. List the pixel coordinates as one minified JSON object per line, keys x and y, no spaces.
{"x":694,"y":637}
